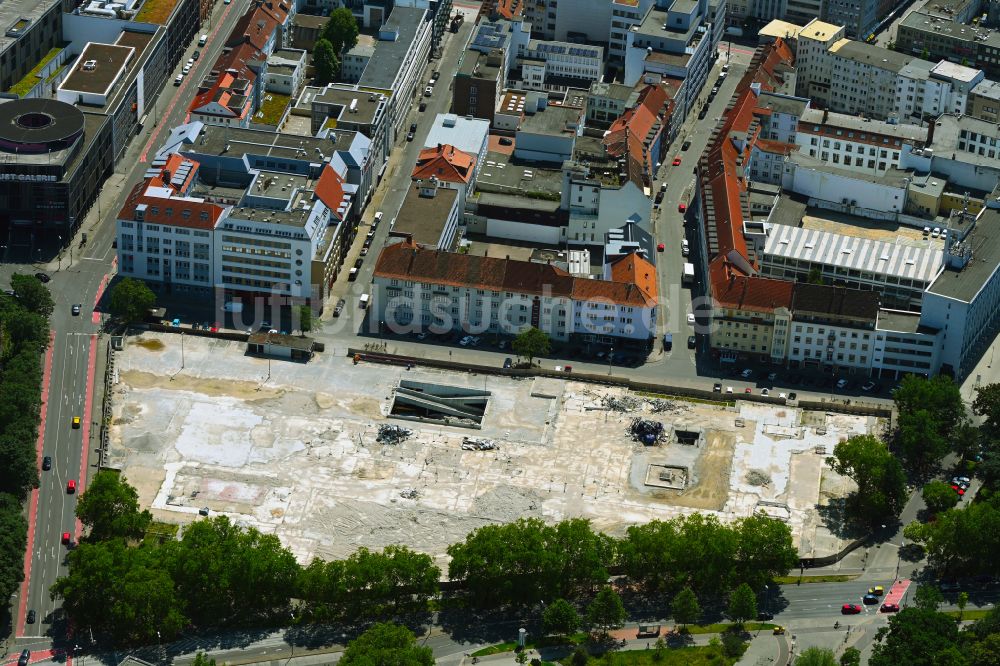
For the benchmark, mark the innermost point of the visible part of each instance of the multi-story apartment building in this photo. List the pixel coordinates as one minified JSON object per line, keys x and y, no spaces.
{"x":607,"y":101}
{"x":580,"y":21}
{"x":984,"y":101}
{"x":420,"y":289}
{"x":935,"y":35}
{"x":558,"y":65}
{"x":832,"y":328}
{"x":676,"y":43}
{"x":854,"y":77}
{"x":873,"y":146}
{"x":625,"y":15}
{"x":401,"y":54}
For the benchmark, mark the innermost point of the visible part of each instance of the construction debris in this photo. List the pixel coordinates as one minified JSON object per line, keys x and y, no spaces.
{"x":658,"y":405}
{"x":756,"y":477}
{"x":479,"y":444}
{"x":647,"y":432}
{"x":392,"y":434}
{"x":623,"y":403}
{"x":410,"y":493}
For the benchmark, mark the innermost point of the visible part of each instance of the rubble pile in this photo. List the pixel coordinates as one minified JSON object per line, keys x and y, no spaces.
{"x":620,"y":403}
{"x":392,"y":434}
{"x":647,"y":432}
{"x":479,"y":444}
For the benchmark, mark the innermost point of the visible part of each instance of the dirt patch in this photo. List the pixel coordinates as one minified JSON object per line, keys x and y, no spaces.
{"x":137,"y":379}
{"x":711,"y":473}
{"x":151,"y":344}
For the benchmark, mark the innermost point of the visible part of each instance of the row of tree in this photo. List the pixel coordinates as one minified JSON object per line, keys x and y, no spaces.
{"x":24,"y":334}
{"x":132,"y":590}
{"x":340,"y":34}
{"x":528,"y":561}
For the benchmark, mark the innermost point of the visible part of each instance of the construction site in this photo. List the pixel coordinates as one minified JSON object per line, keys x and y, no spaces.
{"x":331,"y":456}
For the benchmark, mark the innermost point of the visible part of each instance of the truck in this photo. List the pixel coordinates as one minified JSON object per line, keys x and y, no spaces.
{"x":202,"y":40}
{"x":687,"y":279}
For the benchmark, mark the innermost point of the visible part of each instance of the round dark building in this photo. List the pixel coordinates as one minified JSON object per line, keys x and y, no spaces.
{"x":37,"y":126}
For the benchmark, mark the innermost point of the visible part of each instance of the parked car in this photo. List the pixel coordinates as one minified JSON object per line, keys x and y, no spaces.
{"x":42,"y":277}
{"x":958,"y":489}
{"x":422,"y":107}
{"x":692,"y":342}
{"x":690,"y":319}
{"x":747,"y":373}
{"x":889,"y":608}
{"x":717,"y":387}
{"x":702,"y":113}
{"x":428,"y":91}
{"x":765,"y":392}
{"x":793,"y":396}
{"x":409,"y":136}
{"x":413,"y":127}
{"x":869,"y":385}
{"x":660,"y":247}
{"x":682,"y":207}
{"x":841,"y":384}
{"x":685,"y":145}
{"x":339,"y":307}
{"x":677,"y":160}
{"x":506,"y":141}
{"x":508,"y":363}
{"x":197,"y":54}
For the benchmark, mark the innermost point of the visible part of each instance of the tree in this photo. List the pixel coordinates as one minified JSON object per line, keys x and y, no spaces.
{"x":816,"y":656}
{"x":201,"y":660}
{"x":917,"y":637}
{"x":742,"y":604}
{"x":851,"y":657}
{"x":521,"y":657}
{"x":325,"y":61}
{"x":962,"y":602}
{"x":987,"y":405}
{"x":733,"y":644}
{"x":110,"y":508}
{"x":606,"y":611}
{"x":131,"y":300}
{"x":986,"y":652}
{"x":928,"y":598}
{"x":13,"y":542}
{"x":341,"y":31}
{"x":560,"y":617}
{"x":580,"y":657}
{"x":685,"y":607}
{"x":920,"y":440}
{"x":530,"y":343}
{"x":386,"y":644}
{"x":939,"y":395}
{"x":32,"y":294}
{"x":764,"y":549}
{"x":939,"y":496}
{"x":881,"y":481}
{"x":305,"y":319}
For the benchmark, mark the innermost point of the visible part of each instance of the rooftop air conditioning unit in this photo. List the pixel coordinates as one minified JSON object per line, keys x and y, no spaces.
{"x":90,"y":65}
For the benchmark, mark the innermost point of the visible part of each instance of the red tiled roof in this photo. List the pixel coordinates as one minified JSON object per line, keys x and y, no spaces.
{"x":408,"y":261}
{"x":629,"y":132}
{"x":444,"y":162}
{"x":171,"y":211}
{"x":732,"y":289}
{"x":256,"y":27}
{"x":330,"y":190}
{"x":633,"y":269}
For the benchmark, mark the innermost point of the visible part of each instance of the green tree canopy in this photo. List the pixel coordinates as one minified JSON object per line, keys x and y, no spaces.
{"x":131,"y":300}
{"x":742,"y":604}
{"x":531,"y":343}
{"x":110,"y":508}
{"x":341,"y":31}
{"x":881,"y":481}
{"x":851,"y":657}
{"x":963,"y":541}
{"x":13,"y":542}
{"x":816,"y":656}
{"x":685,"y":607}
{"x":560,"y":617}
{"x":606,"y":611}
{"x":325,"y":62}
{"x":386,"y":644}
{"x":305,"y":319}
{"x":928,"y":597}
{"x":939,"y":496}
{"x":987,"y":406}
{"x":916,"y":637}
{"x":764,"y":549}
{"x":32,"y":294}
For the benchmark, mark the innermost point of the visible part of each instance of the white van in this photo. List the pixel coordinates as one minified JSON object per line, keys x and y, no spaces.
{"x":202,"y":40}
{"x":364,"y":301}
{"x":378,"y":219}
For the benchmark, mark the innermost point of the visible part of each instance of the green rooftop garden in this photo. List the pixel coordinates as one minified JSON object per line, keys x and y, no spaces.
{"x":155,"y":11}
{"x":272,"y":110}
{"x":32,"y":78}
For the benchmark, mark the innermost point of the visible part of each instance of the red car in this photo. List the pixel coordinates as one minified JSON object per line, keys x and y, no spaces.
{"x":889,"y":608}
{"x":65,"y":538}
{"x":748,"y":390}
{"x":682,"y":207}
{"x":959,"y":490}
{"x":660,"y":247}
{"x":850,"y":609}
{"x":677,"y":161}
{"x":71,"y":486}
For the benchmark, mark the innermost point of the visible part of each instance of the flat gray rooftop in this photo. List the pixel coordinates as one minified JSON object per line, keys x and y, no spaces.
{"x":424,"y":217}
{"x":386,"y":61}
{"x":14,"y":12}
{"x":259,"y":142}
{"x":984,"y":239}
{"x":897,"y":320}
{"x":364,"y":103}
{"x":551,"y":120}
{"x":500,"y":175}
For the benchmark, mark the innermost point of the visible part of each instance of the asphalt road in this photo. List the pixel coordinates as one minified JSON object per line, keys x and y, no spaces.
{"x":78,"y":276}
